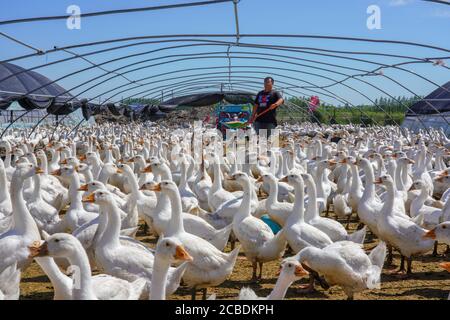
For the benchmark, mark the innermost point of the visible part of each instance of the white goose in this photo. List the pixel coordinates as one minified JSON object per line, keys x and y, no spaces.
{"x":258,"y":241}
{"x":192,"y":224}
{"x":76,"y":215}
{"x":291,"y":271}
{"x":83,"y":286}
{"x":278,"y":211}
{"x":345,"y":264}
{"x":123,"y":261}
{"x":332,"y":228}
{"x":5,"y":201}
{"x":9,"y":283}
{"x":401,"y":233}
{"x":210,"y":266}
{"x":14,"y":243}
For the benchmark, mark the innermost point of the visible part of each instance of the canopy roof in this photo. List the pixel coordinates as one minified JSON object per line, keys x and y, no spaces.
{"x":208,"y":99}
{"x":436,"y":102}
{"x":32,"y":90}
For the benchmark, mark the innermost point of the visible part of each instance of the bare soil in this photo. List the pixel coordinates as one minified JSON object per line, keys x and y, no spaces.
{"x":429,"y":281}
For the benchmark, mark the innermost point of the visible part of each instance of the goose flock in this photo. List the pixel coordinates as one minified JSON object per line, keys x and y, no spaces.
{"x":73,"y":203}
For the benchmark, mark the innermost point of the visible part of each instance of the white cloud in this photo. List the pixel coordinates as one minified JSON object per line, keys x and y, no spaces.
{"x":442,"y":14}
{"x":398,"y":3}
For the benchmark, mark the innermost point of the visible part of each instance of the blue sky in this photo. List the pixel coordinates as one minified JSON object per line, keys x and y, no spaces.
{"x":407,"y":20}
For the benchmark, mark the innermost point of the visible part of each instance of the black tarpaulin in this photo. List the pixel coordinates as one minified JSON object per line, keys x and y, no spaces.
{"x":438,"y":102}
{"x":208,"y":99}
{"x":33,"y":91}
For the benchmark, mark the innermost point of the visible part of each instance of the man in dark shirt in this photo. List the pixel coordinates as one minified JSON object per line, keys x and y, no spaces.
{"x":264,"y":114}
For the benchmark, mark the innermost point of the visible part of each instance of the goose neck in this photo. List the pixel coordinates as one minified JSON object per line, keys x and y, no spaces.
{"x":273,"y":194}
{"x":280,"y":289}
{"x":176,"y":222}
{"x":369,"y":190}
{"x":23,"y":221}
{"x":245,"y":207}
{"x":75,"y":195}
{"x":4,"y":194}
{"x":159,"y":278}
{"x":312,"y":210}
{"x":111,"y":232}
{"x":82,"y":288}
{"x":299,"y":204}
{"x":388,"y":206}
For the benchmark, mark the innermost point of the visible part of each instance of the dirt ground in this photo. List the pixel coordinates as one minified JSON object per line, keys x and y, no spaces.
{"x":428,"y":282}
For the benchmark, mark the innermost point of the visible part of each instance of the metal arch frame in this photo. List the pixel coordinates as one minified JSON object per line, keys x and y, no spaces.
{"x":426,"y":60}
{"x":208,"y":53}
{"x":119,"y":11}
{"x":238,"y":35}
{"x":334,"y":80}
{"x":305,"y":65}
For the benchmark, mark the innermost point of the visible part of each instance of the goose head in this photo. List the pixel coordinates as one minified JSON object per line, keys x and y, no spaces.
{"x":26,"y":170}
{"x":440,"y":233}
{"x":240,"y":177}
{"x":70,"y":161}
{"x":418,"y":185}
{"x":293,"y":179}
{"x":65,"y":171}
{"x":109,"y":169}
{"x":307,"y":178}
{"x":100,"y":197}
{"x":124,"y":168}
{"x":58,"y":245}
{"x":149,"y":186}
{"x":292,"y":269}
{"x":171,"y":250}
{"x":82,"y":168}
{"x":267,"y":178}
{"x":385,"y":180}
{"x":92,"y":187}
{"x":166,"y":186}
{"x":405,"y":161}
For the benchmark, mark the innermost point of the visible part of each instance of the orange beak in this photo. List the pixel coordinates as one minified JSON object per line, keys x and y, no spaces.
{"x":39,"y":171}
{"x":332,"y":161}
{"x":445,"y":265}
{"x":182,"y":254}
{"x":431,"y":234}
{"x":378,"y":181}
{"x":284,"y":179}
{"x":260,"y":179}
{"x":84,"y":187}
{"x":63,"y":162}
{"x":90,"y":198}
{"x":343,"y":161}
{"x":82,"y":158}
{"x":147,"y":169}
{"x":56,"y":172}
{"x":300,"y":272}
{"x":38,"y":250}
{"x":120,"y":171}
{"x":156,"y":187}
